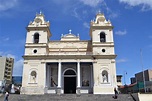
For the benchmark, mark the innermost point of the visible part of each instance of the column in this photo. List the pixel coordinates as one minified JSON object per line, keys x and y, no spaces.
{"x":47,"y":75}
{"x":91,"y":70}
{"x":44,"y":69}
{"x":59,"y":75}
{"x":78,"y":74}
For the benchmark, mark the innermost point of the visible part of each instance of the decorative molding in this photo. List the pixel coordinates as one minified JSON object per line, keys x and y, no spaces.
{"x":113,"y":61}
{"x":25,"y":62}
{"x":42,"y":62}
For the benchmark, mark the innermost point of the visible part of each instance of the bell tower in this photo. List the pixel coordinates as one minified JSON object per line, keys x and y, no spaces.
{"x":36,"y":47}
{"x":101,"y":32}
{"x":38,"y":34}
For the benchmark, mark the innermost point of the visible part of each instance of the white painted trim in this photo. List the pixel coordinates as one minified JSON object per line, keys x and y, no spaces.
{"x":59,"y":75}
{"x":69,"y":69}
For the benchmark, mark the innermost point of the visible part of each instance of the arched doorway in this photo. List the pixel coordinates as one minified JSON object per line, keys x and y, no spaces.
{"x":69,"y":82}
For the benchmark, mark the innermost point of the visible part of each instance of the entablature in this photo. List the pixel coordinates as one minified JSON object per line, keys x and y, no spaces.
{"x":32,"y":45}
{"x":102,"y":44}
{"x":93,"y":57}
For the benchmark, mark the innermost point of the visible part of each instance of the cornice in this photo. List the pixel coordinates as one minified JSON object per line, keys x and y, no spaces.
{"x":69,"y":56}
{"x":39,"y":28}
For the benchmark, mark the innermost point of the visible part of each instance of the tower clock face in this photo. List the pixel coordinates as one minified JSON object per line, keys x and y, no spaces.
{"x":38,"y":20}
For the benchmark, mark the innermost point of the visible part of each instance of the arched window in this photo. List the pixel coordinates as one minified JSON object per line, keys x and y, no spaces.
{"x":102,"y":37}
{"x":33,"y":76}
{"x":36,"y":38}
{"x":104,"y":76}
{"x":69,"y":72}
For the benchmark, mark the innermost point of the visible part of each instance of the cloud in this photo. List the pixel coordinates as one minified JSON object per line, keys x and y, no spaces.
{"x":76,"y":14}
{"x":150,"y":37}
{"x":3,"y":38}
{"x":92,"y":3}
{"x":6,"y":54}
{"x":111,"y":13}
{"x":6,"y":39}
{"x":121,"y":32}
{"x":86,"y":25}
{"x":7,"y":4}
{"x":121,"y":60}
{"x":18,"y":67}
{"x":78,"y":9}
{"x":146,"y":4}
{"x":10,"y":56}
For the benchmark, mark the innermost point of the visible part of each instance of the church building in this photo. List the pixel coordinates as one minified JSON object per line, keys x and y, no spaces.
{"x":69,"y":65}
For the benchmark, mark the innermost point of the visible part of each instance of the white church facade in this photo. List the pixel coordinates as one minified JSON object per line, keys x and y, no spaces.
{"x":69,"y":65}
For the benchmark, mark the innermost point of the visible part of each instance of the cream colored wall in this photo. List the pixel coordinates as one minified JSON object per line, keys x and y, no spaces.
{"x":2,"y":67}
{"x":29,"y":87}
{"x":99,"y":86}
{"x":72,"y":44}
{"x":96,"y":35}
{"x":70,"y":48}
{"x":142,"y":97}
{"x":108,"y":51}
{"x":40,"y":51}
{"x":41,"y":47}
{"x":42,"y":38}
{"x":145,"y":97}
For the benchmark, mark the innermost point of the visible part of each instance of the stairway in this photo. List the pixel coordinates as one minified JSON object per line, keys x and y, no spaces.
{"x":67,"y":97}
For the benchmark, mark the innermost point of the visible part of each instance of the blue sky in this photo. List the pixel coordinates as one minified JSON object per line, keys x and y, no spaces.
{"x":132,"y":21}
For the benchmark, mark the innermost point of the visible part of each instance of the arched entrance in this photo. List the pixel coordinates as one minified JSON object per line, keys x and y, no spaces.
{"x":69,"y":82}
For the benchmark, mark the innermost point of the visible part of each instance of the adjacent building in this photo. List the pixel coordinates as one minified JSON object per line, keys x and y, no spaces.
{"x":141,"y":82}
{"x":133,"y":80}
{"x":6,"y":70}
{"x":119,"y":80}
{"x":147,"y":74}
{"x":69,"y":65}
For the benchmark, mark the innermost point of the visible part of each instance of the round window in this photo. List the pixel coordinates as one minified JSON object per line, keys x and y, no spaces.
{"x":35,"y":51}
{"x":103,"y":50}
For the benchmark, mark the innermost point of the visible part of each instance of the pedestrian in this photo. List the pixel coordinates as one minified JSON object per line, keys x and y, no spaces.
{"x":6,"y":96}
{"x":116,"y":93}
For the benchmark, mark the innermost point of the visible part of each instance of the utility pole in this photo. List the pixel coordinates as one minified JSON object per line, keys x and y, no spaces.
{"x":143,"y":71}
{"x":125,"y":77}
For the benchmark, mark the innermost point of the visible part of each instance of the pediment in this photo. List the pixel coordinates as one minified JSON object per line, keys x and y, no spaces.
{"x":69,"y":37}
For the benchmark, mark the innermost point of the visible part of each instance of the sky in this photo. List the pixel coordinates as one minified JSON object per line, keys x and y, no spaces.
{"x":132,"y":21}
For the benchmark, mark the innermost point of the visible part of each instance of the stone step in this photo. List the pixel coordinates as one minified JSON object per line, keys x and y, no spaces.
{"x":67,"y":97}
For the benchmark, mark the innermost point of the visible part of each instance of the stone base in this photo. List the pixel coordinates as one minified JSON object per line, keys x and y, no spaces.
{"x":84,"y":91}
{"x":59,"y":91}
{"x":32,"y":90}
{"x":103,"y":90}
{"x":51,"y":91}
{"x":78,"y":91}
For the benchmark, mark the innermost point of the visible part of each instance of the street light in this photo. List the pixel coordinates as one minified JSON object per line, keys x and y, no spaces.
{"x":125,"y":73}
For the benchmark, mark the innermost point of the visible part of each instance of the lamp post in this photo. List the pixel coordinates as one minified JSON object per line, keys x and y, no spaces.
{"x":125,"y":73}
{"x":125,"y":86}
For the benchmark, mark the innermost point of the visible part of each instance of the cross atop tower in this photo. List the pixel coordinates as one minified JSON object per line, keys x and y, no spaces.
{"x":70,"y":31}
{"x":99,"y":12}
